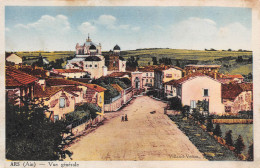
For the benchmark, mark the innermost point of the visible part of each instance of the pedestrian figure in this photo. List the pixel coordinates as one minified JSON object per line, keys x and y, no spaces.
{"x":126,"y":119}
{"x":122,"y":119}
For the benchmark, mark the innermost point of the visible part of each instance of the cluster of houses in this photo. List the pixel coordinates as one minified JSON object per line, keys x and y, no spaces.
{"x":62,"y":89}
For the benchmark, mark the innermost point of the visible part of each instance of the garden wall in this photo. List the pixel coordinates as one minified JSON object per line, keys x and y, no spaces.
{"x":232,"y":121}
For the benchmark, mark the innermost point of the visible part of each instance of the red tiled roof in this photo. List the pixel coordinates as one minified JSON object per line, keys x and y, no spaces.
{"x":95,"y":87}
{"x":200,"y":66}
{"x":50,"y":91}
{"x":195,"y":74}
{"x":52,"y":74}
{"x":117,"y":87}
{"x":232,"y":76}
{"x":149,"y":68}
{"x":119,"y":74}
{"x":172,"y":82}
{"x":15,"y":77}
{"x":40,"y":73}
{"x":232,"y":90}
{"x":246,"y":86}
{"x":68,"y":70}
{"x":165,"y":67}
{"x":60,"y":82}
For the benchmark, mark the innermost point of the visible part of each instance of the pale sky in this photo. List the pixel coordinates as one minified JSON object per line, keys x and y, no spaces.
{"x":60,"y":28}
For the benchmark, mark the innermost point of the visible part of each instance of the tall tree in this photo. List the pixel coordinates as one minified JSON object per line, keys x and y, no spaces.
{"x":217,"y":131}
{"x":30,"y":135}
{"x":250,"y":156}
{"x":228,"y":138}
{"x":239,"y":145}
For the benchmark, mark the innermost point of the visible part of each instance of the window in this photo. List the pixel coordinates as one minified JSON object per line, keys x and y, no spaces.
{"x":96,"y":65}
{"x":206,"y":92}
{"x":151,"y":74}
{"x":86,"y":65}
{"x":193,"y":104}
{"x":151,"y":80}
{"x":168,"y":75}
{"x":62,"y":102}
{"x":114,"y":63}
{"x":146,"y":74}
{"x":227,"y":108}
{"x":100,"y":99}
{"x":171,"y":87}
{"x":146,"y":80}
{"x":90,"y":65}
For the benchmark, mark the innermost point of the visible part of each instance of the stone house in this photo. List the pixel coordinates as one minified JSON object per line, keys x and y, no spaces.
{"x":237,"y":97}
{"x":198,"y":87}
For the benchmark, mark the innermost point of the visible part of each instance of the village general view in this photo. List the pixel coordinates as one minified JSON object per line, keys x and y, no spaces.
{"x":141,"y":104}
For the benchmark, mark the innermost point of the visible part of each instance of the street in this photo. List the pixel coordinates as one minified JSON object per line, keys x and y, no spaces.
{"x":145,"y":136}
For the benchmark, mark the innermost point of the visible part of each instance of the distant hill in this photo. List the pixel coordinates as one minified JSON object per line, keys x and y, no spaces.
{"x":181,"y":57}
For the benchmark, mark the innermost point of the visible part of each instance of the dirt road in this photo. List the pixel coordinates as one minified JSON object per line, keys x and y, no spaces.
{"x":144,"y":136}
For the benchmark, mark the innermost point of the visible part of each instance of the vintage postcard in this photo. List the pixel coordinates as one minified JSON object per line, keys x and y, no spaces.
{"x":130,"y":84}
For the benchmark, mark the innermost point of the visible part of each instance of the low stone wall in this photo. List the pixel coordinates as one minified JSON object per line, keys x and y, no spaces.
{"x":232,"y":121}
{"x":114,"y":106}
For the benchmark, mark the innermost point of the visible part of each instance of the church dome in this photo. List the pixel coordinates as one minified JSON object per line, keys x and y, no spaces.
{"x":116,"y":47}
{"x":92,"y":47}
{"x":92,"y":58}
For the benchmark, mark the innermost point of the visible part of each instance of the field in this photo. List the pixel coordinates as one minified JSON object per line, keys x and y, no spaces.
{"x":227,"y":59}
{"x":245,"y":130}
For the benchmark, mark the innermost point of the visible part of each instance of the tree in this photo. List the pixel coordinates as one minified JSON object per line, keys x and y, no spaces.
{"x":251,"y":153}
{"x":178,"y":63}
{"x":217,"y":131}
{"x":209,"y":125}
{"x":155,"y":61}
{"x":228,"y":138}
{"x":239,"y":59}
{"x":30,"y":135}
{"x":239,"y":145}
{"x":175,"y":103}
{"x":229,"y":49}
{"x":185,"y":111}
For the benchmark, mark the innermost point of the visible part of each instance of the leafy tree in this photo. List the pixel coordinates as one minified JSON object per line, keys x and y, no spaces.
{"x":209,"y":125}
{"x":178,"y":63}
{"x":229,"y":49}
{"x":251,"y":153}
{"x":30,"y":135}
{"x":217,"y":131}
{"x":185,"y":111}
{"x":239,"y":59}
{"x":154,"y":61}
{"x":175,"y":103}
{"x":239,"y":145}
{"x":228,"y":138}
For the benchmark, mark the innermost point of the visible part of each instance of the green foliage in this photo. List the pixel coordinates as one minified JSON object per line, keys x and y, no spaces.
{"x":175,"y":103}
{"x":209,"y":125}
{"x":185,"y":111}
{"x":32,"y":136}
{"x":57,"y":64}
{"x":111,"y":92}
{"x":217,"y":131}
{"x":228,"y":138}
{"x":251,"y":153}
{"x":239,"y":145}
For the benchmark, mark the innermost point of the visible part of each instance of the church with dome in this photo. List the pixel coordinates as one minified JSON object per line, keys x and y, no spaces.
{"x":89,"y":58}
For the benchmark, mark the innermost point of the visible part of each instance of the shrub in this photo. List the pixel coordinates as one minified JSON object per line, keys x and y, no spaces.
{"x":185,"y":111}
{"x":217,"y":131}
{"x":228,"y":138}
{"x":175,"y":104}
{"x":250,"y":156}
{"x":239,"y":145}
{"x":209,"y":125}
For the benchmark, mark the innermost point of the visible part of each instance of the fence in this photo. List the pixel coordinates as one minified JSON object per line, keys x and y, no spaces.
{"x":232,"y":121}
